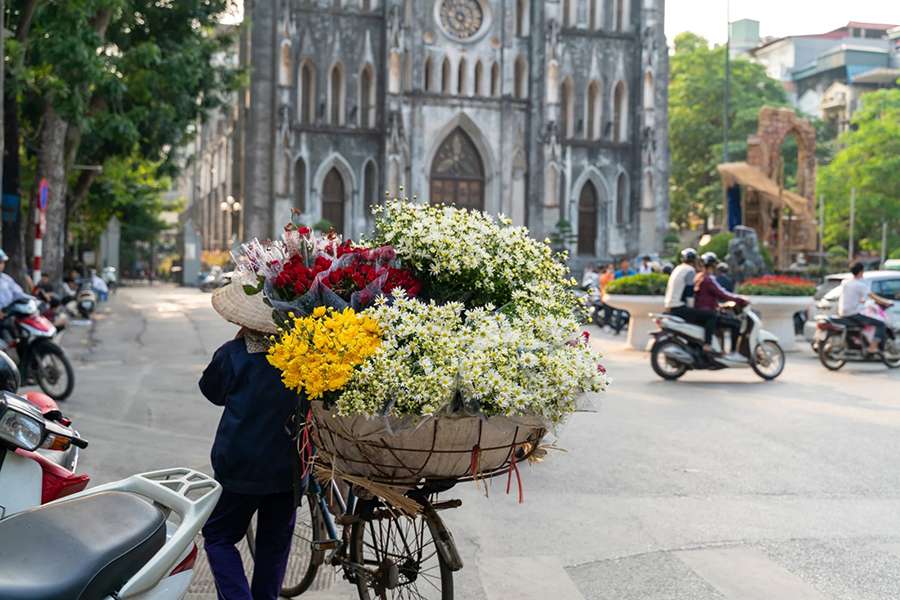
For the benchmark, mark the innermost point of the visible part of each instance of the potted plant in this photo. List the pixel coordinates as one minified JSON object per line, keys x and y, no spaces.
{"x":640,"y":295}
{"x":777,"y":298}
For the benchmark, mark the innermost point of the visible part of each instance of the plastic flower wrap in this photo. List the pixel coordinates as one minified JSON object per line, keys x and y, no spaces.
{"x":305,"y":270}
{"x":317,"y":354}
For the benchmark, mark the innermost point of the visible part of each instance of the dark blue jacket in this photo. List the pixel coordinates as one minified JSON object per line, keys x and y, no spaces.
{"x":252,"y":452}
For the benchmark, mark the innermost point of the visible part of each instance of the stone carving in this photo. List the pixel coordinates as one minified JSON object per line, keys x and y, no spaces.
{"x":744,"y":258}
{"x":284,"y":125}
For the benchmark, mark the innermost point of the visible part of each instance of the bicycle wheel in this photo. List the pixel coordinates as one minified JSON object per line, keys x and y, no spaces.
{"x":304,"y":563}
{"x":396,"y":556}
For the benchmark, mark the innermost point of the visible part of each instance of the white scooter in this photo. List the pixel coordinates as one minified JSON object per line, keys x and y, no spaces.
{"x":678,"y":347}
{"x":132,"y":538}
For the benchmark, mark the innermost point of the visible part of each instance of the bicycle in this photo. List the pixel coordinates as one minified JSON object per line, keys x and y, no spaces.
{"x":385,"y":552}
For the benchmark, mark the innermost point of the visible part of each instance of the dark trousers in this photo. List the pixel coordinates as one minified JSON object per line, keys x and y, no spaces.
{"x":726,"y":322}
{"x":275,"y":514}
{"x":863,"y":320}
{"x":705,"y":318}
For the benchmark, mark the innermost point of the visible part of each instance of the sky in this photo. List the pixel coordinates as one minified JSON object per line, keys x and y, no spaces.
{"x":777,"y":17}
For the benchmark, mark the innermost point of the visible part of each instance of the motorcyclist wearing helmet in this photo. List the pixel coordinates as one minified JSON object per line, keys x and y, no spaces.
{"x":680,"y":292}
{"x":10,"y":291}
{"x":707,"y":296}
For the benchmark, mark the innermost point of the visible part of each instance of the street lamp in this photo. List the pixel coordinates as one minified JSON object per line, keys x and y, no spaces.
{"x":230,"y":206}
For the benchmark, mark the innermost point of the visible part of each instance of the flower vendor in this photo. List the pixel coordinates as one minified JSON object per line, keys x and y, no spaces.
{"x":254,"y":454}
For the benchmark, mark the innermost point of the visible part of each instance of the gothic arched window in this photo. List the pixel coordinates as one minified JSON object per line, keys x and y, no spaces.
{"x":587,"y":220}
{"x":592,"y":108}
{"x":307,"y":95}
{"x":620,"y":113}
{"x":333,"y":195}
{"x":495,"y":80}
{"x":300,"y":185}
{"x":367,"y":97}
{"x":445,"y":76}
{"x":461,"y":88}
{"x":567,"y":109}
{"x":623,"y":212}
{"x":428,"y":76}
{"x":522,"y":17}
{"x":521,"y":82}
{"x":479,"y":76}
{"x":369,"y":187}
{"x":567,"y":19}
{"x":457,"y":173}
{"x":336,"y":95}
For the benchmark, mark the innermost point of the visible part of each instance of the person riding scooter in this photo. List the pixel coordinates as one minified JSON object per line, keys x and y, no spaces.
{"x":707,"y":296}
{"x":854,"y":293}
{"x":680,"y":296}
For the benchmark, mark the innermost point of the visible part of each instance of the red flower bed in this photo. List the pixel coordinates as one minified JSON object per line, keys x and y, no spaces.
{"x":778,"y":285}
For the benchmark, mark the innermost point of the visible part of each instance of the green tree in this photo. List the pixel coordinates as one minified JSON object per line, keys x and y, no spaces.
{"x":96,"y":80}
{"x":868,"y":160}
{"x":696,"y":98}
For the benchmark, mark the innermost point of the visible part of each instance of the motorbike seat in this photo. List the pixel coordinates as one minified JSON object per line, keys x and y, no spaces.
{"x":80,"y":549}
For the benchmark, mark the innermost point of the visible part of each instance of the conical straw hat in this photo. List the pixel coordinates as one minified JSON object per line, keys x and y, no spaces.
{"x":235,"y":306}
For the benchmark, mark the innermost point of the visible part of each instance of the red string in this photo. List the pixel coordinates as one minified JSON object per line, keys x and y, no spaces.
{"x":473,"y":463}
{"x":514,"y":468}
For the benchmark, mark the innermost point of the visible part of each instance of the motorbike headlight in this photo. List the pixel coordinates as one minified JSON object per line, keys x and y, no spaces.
{"x":21,"y":430}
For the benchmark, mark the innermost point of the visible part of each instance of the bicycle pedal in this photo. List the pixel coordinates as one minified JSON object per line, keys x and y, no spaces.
{"x":319,"y":546}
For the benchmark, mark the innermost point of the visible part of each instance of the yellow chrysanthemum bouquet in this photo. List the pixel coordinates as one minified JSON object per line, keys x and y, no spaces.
{"x":317,"y":354}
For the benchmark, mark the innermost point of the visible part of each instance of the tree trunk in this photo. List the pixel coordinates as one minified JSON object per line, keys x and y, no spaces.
{"x":12,"y":201}
{"x":52,"y":166}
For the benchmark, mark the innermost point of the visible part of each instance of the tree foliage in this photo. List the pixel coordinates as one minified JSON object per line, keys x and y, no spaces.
{"x":696,"y":100}
{"x":124,"y":81}
{"x":868,"y":160}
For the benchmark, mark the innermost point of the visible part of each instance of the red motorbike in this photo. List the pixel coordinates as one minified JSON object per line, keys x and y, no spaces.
{"x":40,"y":358}
{"x":46,"y":473}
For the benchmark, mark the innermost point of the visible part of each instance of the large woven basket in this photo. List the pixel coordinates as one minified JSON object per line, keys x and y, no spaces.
{"x":408,"y":451}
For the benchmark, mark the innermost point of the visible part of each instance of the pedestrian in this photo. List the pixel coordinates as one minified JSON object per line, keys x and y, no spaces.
{"x":609,"y":273}
{"x":254,"y":455}
{"x":624,"y":269}
{"x":723,"y":278}
{"x":590,"y":280}
{"x":645,"y":267}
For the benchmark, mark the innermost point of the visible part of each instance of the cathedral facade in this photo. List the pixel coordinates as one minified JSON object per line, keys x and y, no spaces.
{"x":543,"y":110}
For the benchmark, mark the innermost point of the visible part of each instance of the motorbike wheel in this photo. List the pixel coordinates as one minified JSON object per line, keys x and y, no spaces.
{"x":50,"y":367}
{"x":826,"y":357}
{"x":663,"y":366}
{"x":891,"y":354}
{"x":768,"y":360}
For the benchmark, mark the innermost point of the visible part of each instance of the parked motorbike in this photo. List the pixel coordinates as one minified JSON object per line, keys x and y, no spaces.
{"x":212,"y":280}
{"x":678,"y":347}
{"x":840,"y":340}
{"x":85,"y":301}
{"x":41,"y":360}
{"x":131,"y":539}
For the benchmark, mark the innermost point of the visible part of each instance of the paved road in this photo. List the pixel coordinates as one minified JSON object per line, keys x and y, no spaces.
{"x":719,"y":486}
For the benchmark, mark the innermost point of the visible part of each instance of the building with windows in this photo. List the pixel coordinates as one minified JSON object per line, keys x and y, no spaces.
{"x":543,"y":110}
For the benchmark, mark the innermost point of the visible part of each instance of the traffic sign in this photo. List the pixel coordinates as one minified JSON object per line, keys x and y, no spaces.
{"x":43,"y":194}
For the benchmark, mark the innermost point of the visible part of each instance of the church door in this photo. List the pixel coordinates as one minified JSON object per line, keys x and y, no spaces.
{"x":333,"y":200}
{"x":587,"y":220}
{"x":457,"y":173}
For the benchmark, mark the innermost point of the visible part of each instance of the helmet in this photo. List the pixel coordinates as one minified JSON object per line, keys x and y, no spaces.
{"x":688,"y":255}
{"x":3,"y":256}
{"x":9,"y":374}
{"x":723,"y":267}
{"x":709,"y":259}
